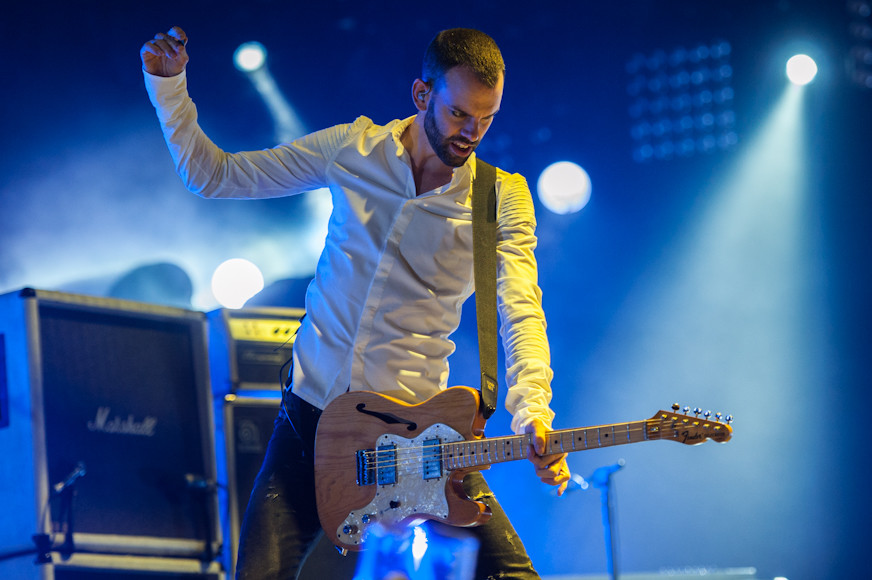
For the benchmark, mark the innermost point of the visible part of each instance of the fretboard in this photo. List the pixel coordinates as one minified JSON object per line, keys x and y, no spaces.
{"x":501,"y":449}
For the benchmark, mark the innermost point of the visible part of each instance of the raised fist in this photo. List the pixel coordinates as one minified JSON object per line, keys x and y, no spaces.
{"x":165,"y":55}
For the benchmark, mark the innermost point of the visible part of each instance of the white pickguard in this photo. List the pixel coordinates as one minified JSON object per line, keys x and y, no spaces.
{"x":411,"y":494}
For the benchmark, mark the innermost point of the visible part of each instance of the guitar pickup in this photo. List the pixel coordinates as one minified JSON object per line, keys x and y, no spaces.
{"x":432,"y":459}
{"x":386,"y":464}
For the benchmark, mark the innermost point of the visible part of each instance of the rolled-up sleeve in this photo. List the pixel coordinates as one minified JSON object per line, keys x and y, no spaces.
{"x":519,"y":300}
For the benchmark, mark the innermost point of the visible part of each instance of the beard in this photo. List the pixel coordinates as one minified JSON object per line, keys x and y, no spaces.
{"x":441,"y":144}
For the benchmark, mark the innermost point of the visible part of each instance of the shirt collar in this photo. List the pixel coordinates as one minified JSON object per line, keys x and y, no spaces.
{"x":465,"y":171}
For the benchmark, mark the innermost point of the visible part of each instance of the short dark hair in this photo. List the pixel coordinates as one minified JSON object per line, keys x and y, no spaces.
{"x":463,"y":47}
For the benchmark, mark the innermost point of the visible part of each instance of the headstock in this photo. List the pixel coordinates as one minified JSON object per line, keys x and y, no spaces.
{"x":690,"y":430}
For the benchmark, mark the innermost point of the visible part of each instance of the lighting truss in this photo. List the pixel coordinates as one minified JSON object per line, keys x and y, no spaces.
{"x":859,"y":60}
{"x":681,"y":102}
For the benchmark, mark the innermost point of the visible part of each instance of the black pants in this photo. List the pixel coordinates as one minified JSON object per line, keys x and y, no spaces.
{"x":281,"y":522}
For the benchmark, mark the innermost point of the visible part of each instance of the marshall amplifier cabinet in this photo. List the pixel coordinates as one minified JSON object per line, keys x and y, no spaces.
{"x":106,"y":567}
{"x":249,"y":348}
{"x":245,"y":427}
{"x":109,"y":445}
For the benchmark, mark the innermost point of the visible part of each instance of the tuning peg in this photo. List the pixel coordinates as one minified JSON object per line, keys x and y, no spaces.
{"x":729,"y":419}
{"x":675,"y":407}
{"x":697,"y":411}
{"x":718,"y":417}
{"x":707,"y":414}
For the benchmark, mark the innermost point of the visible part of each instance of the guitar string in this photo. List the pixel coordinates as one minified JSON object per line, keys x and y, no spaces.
{"x":403,"y":456}
{"x":523,"y":440}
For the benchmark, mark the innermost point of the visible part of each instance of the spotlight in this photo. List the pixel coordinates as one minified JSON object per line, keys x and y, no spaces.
{"x":249,"y":56}
{"x":235,"y":282}
{"x":564,"y":187}
{"x":423,"y":552}
{"x":801,"y":69}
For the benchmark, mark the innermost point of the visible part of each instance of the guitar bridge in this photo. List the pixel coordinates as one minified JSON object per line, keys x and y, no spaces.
{"x":377,"y":465}
{"x":365,"y":470}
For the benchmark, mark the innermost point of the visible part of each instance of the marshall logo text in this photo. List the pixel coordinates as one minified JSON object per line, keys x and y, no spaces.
{"x":119,"y":426}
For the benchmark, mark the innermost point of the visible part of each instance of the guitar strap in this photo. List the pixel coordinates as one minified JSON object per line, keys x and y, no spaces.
{"x":484,"y":239}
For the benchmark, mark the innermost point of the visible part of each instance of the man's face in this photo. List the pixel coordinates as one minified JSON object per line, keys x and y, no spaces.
{"x":459,"y":113}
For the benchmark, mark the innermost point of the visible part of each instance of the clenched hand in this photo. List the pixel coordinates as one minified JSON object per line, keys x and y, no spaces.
{"x":165,"y":55}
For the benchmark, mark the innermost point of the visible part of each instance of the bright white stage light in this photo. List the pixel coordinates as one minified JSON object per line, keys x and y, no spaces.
{"x":235,"y":282}
{"x":801,"y":69}
{"x":419,"y":546}
{"x":564,"y":187}
{"x":249,"y":56}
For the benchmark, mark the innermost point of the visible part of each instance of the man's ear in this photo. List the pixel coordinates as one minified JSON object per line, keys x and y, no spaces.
{"x":420,"y":94}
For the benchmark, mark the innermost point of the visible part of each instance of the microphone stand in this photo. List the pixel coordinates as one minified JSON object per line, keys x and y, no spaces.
{"x":602,"y":479}
{"x":66,"y":512}
{"x":65,"y":490}
{"x":202,"y":490}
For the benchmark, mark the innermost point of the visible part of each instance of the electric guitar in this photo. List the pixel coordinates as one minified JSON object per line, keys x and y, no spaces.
{"x":378,"y":459}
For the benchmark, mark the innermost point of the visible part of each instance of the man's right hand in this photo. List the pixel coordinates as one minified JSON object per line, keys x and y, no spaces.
{"x":165,"y":55}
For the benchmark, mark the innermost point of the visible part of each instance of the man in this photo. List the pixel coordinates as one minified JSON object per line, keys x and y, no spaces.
{"x":396,"y":267}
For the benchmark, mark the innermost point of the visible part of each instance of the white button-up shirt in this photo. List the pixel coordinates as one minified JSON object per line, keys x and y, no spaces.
{"x":396,"y":266}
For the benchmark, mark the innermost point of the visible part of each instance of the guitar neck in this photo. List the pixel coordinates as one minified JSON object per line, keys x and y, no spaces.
{"x":478,"y":452}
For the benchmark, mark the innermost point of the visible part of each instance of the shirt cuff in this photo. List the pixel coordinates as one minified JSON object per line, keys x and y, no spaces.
{"x":525,"y":416}
{"x":163,"y":90}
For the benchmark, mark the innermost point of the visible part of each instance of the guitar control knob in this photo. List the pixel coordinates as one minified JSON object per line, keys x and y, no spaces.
{"x":365,"y":518}
{"x":350,"y":530}
{"x":394,"y":504}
